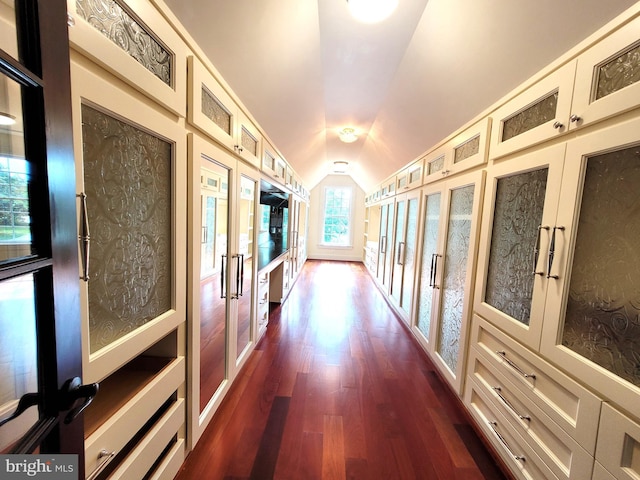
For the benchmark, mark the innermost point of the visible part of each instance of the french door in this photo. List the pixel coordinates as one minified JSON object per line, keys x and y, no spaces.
{"x":41,"y":396}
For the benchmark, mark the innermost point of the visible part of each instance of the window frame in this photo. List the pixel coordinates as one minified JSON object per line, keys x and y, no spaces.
{"x":349,"y":235}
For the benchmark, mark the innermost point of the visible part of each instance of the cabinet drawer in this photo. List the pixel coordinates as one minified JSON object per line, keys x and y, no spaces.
{"x":114,"y":434}
{"x":619,"y":444}
{"x":518,"y":455}
{"x":601,"y":473}
{"x":150,"y":448}
{"x":566,"y":402}
{"x":170,"y":465}
{"x":556,"y":448}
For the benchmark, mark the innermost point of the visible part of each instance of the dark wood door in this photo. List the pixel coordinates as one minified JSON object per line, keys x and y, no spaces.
{"x":40,"y":341}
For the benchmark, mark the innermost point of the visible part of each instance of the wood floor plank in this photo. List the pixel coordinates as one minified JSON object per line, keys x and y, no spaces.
{"x":338,"y":388}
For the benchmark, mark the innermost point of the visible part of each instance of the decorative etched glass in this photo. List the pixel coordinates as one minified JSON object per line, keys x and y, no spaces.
{"x":414,"y":175}
{"x":467,"y":149}
{"x":396,"y":279}
{"x":215,"y":111}
{"x":389,"y":255}
{"x":454,"y":275}
{"x":602,"y":320}
{"x":127,"y":177}
{"x":249,"y":143}
{"x":534,"y":115}
{"x":245,"y":224}
{"x":269,"y":161}
{"x":619,"y":72}
{"x":517,"y":215}
{"x":429,"y":249}
{"x":435,"y":165}
{"x":409,"y":254}
{"x":384,"y":212}
{"x":122,"y":27}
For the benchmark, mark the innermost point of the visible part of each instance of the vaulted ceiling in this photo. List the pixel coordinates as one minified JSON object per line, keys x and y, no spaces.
{"x":305,"y":68}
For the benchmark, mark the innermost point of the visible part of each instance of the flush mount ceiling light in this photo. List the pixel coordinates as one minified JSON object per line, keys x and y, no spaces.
{"x":340,"y":166}
{"x":348,"y":135}
{"x":371,"y":11}
{"x":7,"y":119}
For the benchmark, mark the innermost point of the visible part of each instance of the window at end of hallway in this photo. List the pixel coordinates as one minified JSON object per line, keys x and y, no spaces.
{"x":336,"y":226}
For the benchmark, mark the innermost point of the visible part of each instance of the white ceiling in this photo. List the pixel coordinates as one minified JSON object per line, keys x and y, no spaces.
{"x":305,"y":68}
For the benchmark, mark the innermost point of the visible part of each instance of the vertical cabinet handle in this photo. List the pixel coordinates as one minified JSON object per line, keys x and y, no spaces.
{"x":222,"y":294}
{"x":434,"y":270}
{"x":84,"y":236}
{"x":400,"y":257}
{"x":205,"y":231}
{"x":536,"y":250}
{"x":552,"y":252}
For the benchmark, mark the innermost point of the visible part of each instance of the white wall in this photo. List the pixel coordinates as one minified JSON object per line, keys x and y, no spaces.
{"x":314,"y":249}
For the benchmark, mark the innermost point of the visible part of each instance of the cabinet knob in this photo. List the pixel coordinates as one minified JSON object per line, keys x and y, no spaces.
{"x":575,"y":118}
{"x":558,"y":125}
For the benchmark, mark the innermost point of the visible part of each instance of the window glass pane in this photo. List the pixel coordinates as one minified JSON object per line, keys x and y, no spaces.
{"x":337,"y":217}
{"x":15,"y":220}
{"x":18,"y":355}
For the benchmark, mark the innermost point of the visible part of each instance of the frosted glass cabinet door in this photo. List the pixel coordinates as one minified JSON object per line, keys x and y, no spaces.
{"x":383,"y":243}
{"x":409,"y":254}
{"x":399,"y":243}
{"x":518,"y":218}
{"x":592,"y":311}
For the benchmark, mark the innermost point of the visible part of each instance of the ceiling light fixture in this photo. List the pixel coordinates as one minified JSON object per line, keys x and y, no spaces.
{"x":348,"y":135}
{"x":340,"y":166}
{"x":371,"y":11}
{"x":7,"y":119}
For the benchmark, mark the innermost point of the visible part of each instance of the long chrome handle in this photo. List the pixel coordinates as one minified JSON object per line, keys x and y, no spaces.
{"x":222,"y":294}
{"x":503,"y":440}
{"x":536,"y":250}
{"x":236,"y":294}
{"x":400,"y":256}
{"x":103,"y":460}
{"x":498,"y":391}
{"x":204,"y":234}
{"x":84,"y":237}
{"x":241,"y":263}
{"x":435,"y":270}
{"x":433,"y":257}
{"x":383,"y":248}
{"x":552,"y":252}
{"x":515,"y":366}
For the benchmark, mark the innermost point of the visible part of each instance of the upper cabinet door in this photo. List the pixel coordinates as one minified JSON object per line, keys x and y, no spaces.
{"x":608,"y":77}
{"x":435,"y":164}
{"x":539,"y":113}
{"x":248,"y":141}
{"x":211,"y":108}
{"x":140,"y":48}
{"x":518,"y":217}
{"x":469,"y":148}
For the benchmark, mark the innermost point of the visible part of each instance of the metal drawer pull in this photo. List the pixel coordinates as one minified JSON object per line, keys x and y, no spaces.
{"x":552,"y":252}
{"x":493,"y":426}
{"x":84,"y":236}
{"x":103,"y":460}
{"x":498,"y":391}
{"x":513,"y":365}
{"x":536,"y":250}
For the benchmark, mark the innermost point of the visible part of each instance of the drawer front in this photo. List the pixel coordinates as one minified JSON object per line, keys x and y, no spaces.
{"x":518,"y":455}
{"x":566,"y":402}
{"x":150,"y":448}
{"x":556,"y":448}
{"x":170,"y":465}
{"x":601,"y":473}
{"x":117,"y":431}
{"x":619,"y":444}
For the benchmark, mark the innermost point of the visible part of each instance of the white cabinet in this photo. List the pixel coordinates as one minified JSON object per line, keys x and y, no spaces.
{"x":212,"y":109}
{"x":263,"y":302}
{"x":132,"y":185}
{"x":619,"y":444}
{"x":385,"y":249}
{"x":404,"y":259}
{"x":450,"y":225}
{"x":410,"y":177}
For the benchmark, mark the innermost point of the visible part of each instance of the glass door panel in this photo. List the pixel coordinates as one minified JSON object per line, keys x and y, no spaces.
{"x":246,"y":205}
{"x":409,"y":255}
{"x":382,"y":249}
{"x":427,"y":285}
{"x":208,"y":255}
{"x":454,"y":275}
{"x":214,"y":296}
{"x":603,"y":305}
{"x":398,"y":261}
{"x":128,"y":184}
{"x":388,"y":260}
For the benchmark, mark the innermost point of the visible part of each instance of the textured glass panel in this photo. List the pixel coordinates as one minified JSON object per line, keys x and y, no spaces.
{"x":128,"y":33}
{"x":467,"y":149}
{"x":517,"y":216}
{"x":389,"y":254}
{"x":396,"y":281}
{"x":215,"y":111}
{"x":409,"y":255}
{"x":435,"y":165}
{"x":383,"y":240}
{"x":127,"y":175}
{"x":414,"y":176}
{"x":603,"y":311}
{"x":454,"y":275}
{"x":429,"y":248}
{"x":622,"y":71}
{"x":540,"y":112}
{"x":245,"y":224}
{"x":269,"y":161}
{"x":249,"y":143}
{"x":18,"y":353}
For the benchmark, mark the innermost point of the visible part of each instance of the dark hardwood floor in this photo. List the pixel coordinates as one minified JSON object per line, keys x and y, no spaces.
{"x":338,"y":389}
